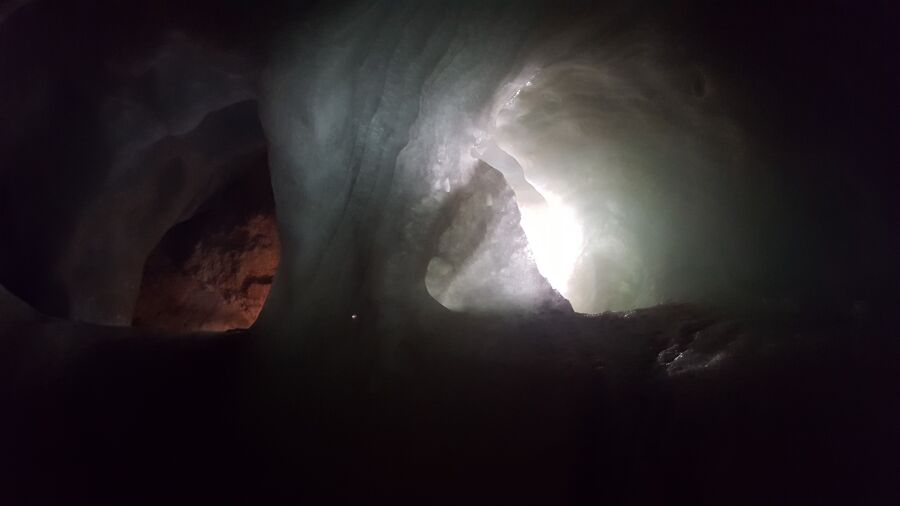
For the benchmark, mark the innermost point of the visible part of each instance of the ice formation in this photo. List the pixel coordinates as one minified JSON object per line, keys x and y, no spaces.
{"x":631,"y":174}
{"x":617,"y":138}
{"x":452,"y":179}
{"x":490,"y":156}
{"x":378,"y":119}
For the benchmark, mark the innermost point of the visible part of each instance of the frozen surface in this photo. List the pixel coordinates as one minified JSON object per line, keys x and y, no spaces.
{"x":371,"y":121}
{"x":623,"y":169}
{"x":640,"y":161}
{"x":483,"y":262}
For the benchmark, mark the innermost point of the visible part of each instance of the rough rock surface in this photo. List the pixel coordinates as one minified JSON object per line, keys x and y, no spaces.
{"x":141,"y":124}
{"x":221,"y":285}
{"x":213,"y":271}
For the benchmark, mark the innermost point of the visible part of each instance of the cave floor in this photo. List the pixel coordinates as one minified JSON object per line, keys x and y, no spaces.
{"x":672,"y":404}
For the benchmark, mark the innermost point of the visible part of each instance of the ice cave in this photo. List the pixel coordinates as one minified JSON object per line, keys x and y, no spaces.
{"x":449,"y":251}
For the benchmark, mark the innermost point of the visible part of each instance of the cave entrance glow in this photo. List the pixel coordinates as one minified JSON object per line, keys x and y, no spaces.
{"x":565,"y":148}
{"x":555,"y":239}
{"x":579,"y":203}
{"x":552,"y":227}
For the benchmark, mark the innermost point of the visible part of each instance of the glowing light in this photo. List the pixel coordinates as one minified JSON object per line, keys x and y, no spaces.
{"x":555,"y":238}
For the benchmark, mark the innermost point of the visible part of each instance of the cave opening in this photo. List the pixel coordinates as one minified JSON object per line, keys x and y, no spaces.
{"x":585,"y":201}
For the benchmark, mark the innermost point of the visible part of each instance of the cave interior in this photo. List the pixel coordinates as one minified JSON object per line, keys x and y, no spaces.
{"x":403,"y":252}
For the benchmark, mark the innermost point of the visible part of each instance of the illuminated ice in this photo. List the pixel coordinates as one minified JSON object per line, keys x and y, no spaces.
{"x":378,"y":124}
{"x":555,"y":239}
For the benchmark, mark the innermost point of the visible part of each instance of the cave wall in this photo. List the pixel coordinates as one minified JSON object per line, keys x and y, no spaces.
{"x":213,"y":271}
{"x":375,"y":115}
{"x":370,"y":111}
{"x":373,"y":111}
{"x":370,"y":119}
{"x":133,"y":119}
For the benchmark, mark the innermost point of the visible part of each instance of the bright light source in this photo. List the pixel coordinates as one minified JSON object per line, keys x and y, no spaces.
{"x":552,"y":228}
{"x":554,"y":235}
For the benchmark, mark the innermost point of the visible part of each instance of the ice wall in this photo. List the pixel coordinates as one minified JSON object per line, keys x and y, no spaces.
{"x":167,"y":152}
{"x":378,"y":113}
{"x":371,"y":119}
